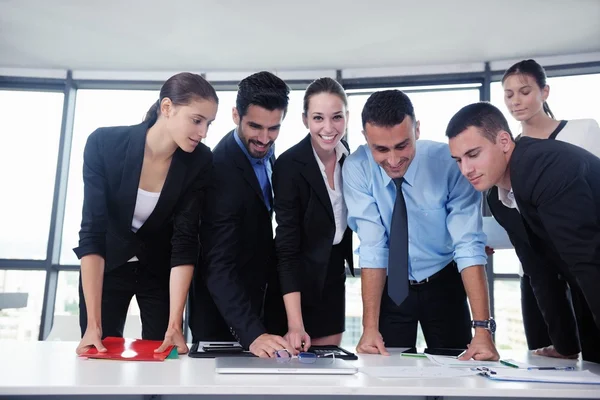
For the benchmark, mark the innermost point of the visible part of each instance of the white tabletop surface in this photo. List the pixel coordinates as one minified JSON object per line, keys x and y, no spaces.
{"x":34,"y":368}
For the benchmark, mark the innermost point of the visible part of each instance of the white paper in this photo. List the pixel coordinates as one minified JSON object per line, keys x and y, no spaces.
{"x":581,"y":377}
{"x":417,"y":372}
{"x":497,"y":238}
{"x":453,"y":362}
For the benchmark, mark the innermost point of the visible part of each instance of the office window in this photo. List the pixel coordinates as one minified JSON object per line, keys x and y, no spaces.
{"x":570,"y":98}
{"x":30,"y":127}
{"x":223,"y":123}
{"x":22,"y":323}
{"x":506,"y":262}
{"x":434,"y":106}
{"x":65,"y":326}
{"x":95,"y":109}
{"x":510,"y":334}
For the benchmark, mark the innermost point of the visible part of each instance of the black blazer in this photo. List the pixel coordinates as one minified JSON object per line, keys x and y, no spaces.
{"x":238,"y":252}
{"x":112,"y":166}
{"x":557,"y":189}
{"x":305,"y":223}
{"x":551,"y":292}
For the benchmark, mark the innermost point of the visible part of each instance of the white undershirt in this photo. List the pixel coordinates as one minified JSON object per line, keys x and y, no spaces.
{"x":144,"y":205}
{"x":340,"y":212}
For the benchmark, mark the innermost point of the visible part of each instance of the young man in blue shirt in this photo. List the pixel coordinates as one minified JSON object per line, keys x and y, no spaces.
{"x":422,"y":249}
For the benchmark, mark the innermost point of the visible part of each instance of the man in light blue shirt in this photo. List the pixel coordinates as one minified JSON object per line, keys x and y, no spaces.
{"x":415,"y":246}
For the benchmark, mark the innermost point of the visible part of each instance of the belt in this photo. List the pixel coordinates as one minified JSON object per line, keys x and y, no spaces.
{"x":432,"y":277}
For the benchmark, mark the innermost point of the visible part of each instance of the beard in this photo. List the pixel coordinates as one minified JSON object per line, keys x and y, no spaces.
{"x":255,"y":153}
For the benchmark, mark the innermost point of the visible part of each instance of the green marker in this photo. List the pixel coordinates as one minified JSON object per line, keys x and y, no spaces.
{"x":508,"y":364}
{"x":419,"y":355}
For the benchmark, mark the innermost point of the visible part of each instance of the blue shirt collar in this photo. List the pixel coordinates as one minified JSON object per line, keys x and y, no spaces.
{"x":252,"y":159}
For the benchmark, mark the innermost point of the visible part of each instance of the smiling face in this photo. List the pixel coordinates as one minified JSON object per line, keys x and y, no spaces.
{"x":481,"y":161}
{"x":393,"y":148}
{"x":326,"y":120}
{"x":188,"y":124}
{"x":523,"y":97}
{"x":258,"y":128}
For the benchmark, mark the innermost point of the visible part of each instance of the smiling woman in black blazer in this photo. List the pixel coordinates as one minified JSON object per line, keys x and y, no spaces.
{"x":313,"y":240}
{"x":143,"y":189}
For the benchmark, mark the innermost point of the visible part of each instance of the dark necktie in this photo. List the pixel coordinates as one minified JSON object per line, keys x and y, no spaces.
{"x":263,"y":181}
{"x":398,"y":245}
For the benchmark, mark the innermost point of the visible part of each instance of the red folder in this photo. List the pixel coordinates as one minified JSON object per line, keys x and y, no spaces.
{"x":129,"y":350}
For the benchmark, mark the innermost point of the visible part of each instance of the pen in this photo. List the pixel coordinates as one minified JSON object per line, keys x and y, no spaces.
{"x":421,"y":355}
{"x":508,"y":364}
{"x":552,"y":368}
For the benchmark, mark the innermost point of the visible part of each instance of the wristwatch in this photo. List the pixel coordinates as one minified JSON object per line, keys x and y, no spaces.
{"x":488,"y":324}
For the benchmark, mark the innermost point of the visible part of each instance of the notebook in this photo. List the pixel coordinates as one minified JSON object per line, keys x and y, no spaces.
{"x":522,"y":375}
{"x":130,"y":350}
{"x":255,"y":365}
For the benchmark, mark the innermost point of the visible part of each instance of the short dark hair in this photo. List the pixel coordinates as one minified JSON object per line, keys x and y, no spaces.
{"x":482,"y":115}
{"x":324,"y":85}
{"x":262,"y":89}
{"x":181,"y":89}
{"x":536,"y":71}
{"x":387,"y":108}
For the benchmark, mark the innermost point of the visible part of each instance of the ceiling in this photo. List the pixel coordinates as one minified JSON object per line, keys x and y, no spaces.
{"x":238,"y":35}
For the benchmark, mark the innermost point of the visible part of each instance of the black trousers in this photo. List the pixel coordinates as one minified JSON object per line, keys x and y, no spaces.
{"x":120,"y":285}
{"x":440,"y":306}
{"x":589,"y":334}
{"x":536,"y":331}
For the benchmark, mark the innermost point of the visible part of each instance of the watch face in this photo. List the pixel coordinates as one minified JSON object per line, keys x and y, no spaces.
{"x":492,"y":325}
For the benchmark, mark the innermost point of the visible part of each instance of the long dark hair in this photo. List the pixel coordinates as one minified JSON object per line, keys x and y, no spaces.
{"x":182,"y":88}
{"x":536,"y":71}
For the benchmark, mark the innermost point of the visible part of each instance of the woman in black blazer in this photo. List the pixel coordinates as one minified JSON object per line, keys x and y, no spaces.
{"x":143,"y":189}
{"x":313,"y":240}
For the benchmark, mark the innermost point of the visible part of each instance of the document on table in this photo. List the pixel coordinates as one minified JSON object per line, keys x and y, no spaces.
{"x":453,"y":362}
{"x":417,"y":372}
{"x":497,"y":238}
{"x":520,"y":375}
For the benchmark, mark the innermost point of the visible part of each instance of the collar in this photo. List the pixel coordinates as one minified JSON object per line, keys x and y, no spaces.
{"x":340,"y":151}
{"x":507,"y":197}
{"x":252,"y":159}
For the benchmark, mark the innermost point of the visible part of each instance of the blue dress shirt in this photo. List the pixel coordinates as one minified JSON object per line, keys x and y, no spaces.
{"x":444,"y":211}
{"x":262,"y":169}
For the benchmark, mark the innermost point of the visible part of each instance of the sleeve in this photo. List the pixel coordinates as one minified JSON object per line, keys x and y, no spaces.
{"x":567,"y":208}
{"x":465,"y":222}
{"x":288,"y":238}
{"x":94,"y":220}
{"x":364,"y":217}
{"x":186,"y":219}
{"x":222,"y":237}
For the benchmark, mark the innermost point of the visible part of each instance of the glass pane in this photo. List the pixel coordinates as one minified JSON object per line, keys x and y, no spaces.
{"x":66,"y":312}
{"x":510,"y":334}
{"x":29,"y":135}
{"x":432,"y":108}
{"x":354,"y":313}
{"x":568,"y":98}
{"x":95,"y":109}
{"x":506,"y":262}
{"x":223,"y":123}
{"x":292,"y":129}
{"x":22,"y":323}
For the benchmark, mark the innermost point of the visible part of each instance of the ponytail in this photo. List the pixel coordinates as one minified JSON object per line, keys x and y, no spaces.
{"x":152,"y":114}
{"x":546,"y":109}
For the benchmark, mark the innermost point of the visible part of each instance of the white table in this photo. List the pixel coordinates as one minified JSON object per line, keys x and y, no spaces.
{"x":52,"y":369}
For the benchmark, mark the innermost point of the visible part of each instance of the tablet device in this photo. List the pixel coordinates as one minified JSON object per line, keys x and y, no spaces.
{"x":438,"y":351}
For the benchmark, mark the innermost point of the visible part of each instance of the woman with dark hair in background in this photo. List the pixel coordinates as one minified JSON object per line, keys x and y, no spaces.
{"x":313,"y":240}
{"x":143,"y":189}
{"x":550,"y":324}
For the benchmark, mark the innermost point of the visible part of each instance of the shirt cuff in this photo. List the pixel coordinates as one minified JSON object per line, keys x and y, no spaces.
{"x":464,"y":262}
{"x":373,"y":257}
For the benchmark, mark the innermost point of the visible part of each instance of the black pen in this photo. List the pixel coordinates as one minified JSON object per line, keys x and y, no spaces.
{"x":552,"y":368}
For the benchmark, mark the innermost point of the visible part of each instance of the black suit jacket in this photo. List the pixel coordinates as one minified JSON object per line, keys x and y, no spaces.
{"x":112,"y":166}
{"x":305,"y":223}
{"x":238,"y":253}
{"x":557,"y":189}
{"x":551,"y":292}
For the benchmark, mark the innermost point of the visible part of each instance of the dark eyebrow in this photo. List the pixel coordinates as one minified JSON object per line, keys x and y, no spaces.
{"x":402,"y":143}
{"x":470,"y":152}
{"x":199,"y":115}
